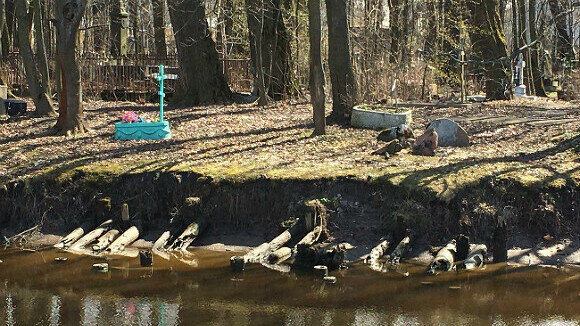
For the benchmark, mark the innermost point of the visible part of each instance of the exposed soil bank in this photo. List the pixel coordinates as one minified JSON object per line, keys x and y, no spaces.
{"x":361,"y":212}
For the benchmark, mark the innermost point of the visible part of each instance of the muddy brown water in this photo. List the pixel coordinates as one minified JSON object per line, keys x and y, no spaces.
{"x":36,"y":290}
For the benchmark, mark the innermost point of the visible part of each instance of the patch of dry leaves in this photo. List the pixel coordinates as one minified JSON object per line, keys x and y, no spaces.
{"x":247,"y":141}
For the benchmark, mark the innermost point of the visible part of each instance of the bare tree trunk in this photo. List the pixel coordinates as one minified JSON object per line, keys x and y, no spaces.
{"x":316,"y":72}
{"x":341,"y":75}
{"x":36,"y":82}
{"x":69,"y":14}
{"x":271,"y":48}
{"x":40,"y":46}
{"x":201,"y":75}
{"x":535,"y":61}
{"x":564,"y":48}
{"x":119,"y":25}
{"x":489,"y":44}
{"x":395,"y":17}
{"x":159,"y":28}
{"x":2,"y":26}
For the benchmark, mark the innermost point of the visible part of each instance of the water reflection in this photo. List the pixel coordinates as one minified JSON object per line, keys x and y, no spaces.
{"x":71,"y":294}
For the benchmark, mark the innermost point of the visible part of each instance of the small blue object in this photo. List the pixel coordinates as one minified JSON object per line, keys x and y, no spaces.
{"x":146,"y":130}
{"x":142,"y":130}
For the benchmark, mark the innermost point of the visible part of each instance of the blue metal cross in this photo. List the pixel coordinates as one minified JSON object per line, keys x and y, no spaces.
{"x":160,"y":78}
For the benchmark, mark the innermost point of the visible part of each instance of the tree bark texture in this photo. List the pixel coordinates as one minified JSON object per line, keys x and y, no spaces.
{"x":159,"y":28}
{"x":201,"y":79}
{"x":71,"y":116}
{"x":37,"y":83}
{"x":341,"y":73}
{"x":489,"y":45}
{"x":270,"y":48}
{"x":317,"y":97}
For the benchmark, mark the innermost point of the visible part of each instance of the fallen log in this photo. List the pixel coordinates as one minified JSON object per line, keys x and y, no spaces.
{"x":105,"y":240}
{"x":188,"y":236}
{"x":329,"y":255}
{"x":475,"y":259}
{"x":91,"y":236}
{"x":280,"y":255}
{"x":376,"y":254}
{"x":260,"y":252}
{"x":312,"y":236}
{"x":400,"y":250}
{"x":76,"y":234}
{"x":128,"y":237}
{"x":162,"y":241}
{"x":444,"y":259}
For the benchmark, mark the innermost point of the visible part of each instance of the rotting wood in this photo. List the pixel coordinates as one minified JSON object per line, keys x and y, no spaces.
{"x":475,"y":259}
{"x":462,"y":247}
{"x":187,"y":236}
{"x":400,"y":250}
{"x":74,"y":235}
{"x":124,"y":240}
{"x":105,"y":240}
{"x":376,"y":253}
{"x":91,"y":236}
{"x":311,"y":237}
{"x":125,"y":212}
{"x":444,"y":259}
{"x":280,"y":255}
{"x":327,"y":254}
{"x":258,"y":254}
{"x":237,"y":263}
{"x":162,"y":241}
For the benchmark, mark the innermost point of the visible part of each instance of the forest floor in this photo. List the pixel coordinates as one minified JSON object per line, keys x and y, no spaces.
{"x":532,"y":142}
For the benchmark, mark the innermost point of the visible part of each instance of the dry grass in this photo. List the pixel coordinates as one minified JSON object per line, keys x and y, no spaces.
{"x":535,"y":143}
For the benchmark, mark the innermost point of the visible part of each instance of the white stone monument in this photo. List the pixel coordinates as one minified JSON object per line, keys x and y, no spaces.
{"x":3,"y":96}
{"x":520,"y":89}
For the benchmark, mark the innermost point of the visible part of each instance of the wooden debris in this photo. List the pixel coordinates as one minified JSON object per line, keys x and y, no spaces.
{"x":105,"y":240}
{"x":125,"y":212}
{"x":162,"y":241}
{"x":312,"y":236}
{"x":74,"y":235}
{"x":444,"y":259}
{"x":376,"y":254}
{"x":462,"y":247}
{"x":500,"y":236}
{"x":475,"y":259}
{"x":188,"y":236}
{"x":400,"y":250}
{"x":91,"y":236}
{"x":124,"y":240}
{"x":259,"y":253}
{"x":280,"y":255}
{"x":326,"y":254}
{"x":101,"y":267}
{"x":237,"y":263}
{"x":145,"y":258}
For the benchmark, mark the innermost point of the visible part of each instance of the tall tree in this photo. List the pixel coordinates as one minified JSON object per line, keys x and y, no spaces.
{"x":201,"y":78}
{"x":36,"y":78}
{"x":68,"y":18}
{"x":537,"y":75}
{"x":341,"y":75}
{"x":2,"y":25}
{"x":564,"y":43}
{"x":269,"y":47}
{"x":489,"y":44}
{"x":395,"y":22}
{"x":159,"y":28}
{"x":316,"y":73}
{"x":119,"y":22}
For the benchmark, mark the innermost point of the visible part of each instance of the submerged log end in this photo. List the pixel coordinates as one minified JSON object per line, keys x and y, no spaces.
{"x":237,"y":263}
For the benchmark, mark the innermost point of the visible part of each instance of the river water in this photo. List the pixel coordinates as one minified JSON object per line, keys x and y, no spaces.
{"x":36,"y":290}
